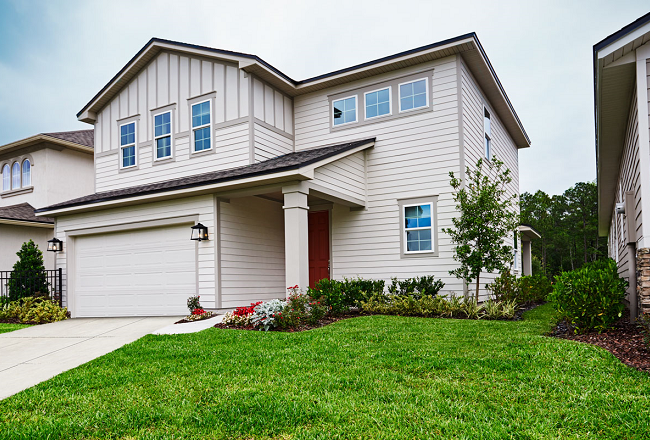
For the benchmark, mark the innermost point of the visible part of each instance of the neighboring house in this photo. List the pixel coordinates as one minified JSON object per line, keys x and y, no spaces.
{"x":622,"y":91}
{"x":342,"y":175}
{"x":38,"y":171}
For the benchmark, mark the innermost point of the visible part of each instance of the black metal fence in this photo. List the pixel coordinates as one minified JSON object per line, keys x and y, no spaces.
{"x":13,"y":286}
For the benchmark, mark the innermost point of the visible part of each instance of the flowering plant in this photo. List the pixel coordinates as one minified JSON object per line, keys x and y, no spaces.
{"x":264,"y":316}
{"x":231,"y":318}
{"x":246,"y":310}
{"x":198,"y":312}
{"x":193,"y":303}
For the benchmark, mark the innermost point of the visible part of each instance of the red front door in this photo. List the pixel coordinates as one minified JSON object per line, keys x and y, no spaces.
{"x":319,"y":246}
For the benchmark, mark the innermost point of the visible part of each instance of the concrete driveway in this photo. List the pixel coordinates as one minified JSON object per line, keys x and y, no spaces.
{"x":32,"y":355}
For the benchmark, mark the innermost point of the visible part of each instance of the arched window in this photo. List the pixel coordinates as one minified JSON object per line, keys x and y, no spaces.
{"x":15,"y":176}
{"x":27,"y":173}
{"x":6,"y":178}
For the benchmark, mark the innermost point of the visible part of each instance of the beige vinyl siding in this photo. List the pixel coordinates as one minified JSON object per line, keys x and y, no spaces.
{"x":270,"y":143}
{"x":272,"y":107}
{"x":172,"y":78}
{"x":346,"y":176}
{"x":628,"y":180}
{"x":251,"y":251}
{"x":230,"y":146}
{"x":412,"y":158}
{"x":502,"y":147}
{"x":201,"y":206}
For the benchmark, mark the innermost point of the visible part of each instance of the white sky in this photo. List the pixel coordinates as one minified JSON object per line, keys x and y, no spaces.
{"x":54,"y":56}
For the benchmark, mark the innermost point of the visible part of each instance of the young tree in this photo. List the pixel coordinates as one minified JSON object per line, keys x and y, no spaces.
{"x":28,"y":277}
{"x":487,"y":217}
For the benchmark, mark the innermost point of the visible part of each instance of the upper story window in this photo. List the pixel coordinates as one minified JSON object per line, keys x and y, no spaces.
{"x":377,"y":103}
{"x":6,"y":178}
{"x":163,"y":135}
{"x":418,"y":228}
{"x":127,"y":145}
{"x":515,"y":247}
{"x":27,"y":173}
{"x":15,"y":176}
{"x":201,"y":126}
{"x":487,"y":134}
{"x":413,"y":95}
{"x":345,"y":110}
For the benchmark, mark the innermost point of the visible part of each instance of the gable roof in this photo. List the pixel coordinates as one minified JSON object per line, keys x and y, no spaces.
{"x":80,"y":140}
{"x":287,"y":162}
{"x":467,"y":45}
{"x":21,"y":213}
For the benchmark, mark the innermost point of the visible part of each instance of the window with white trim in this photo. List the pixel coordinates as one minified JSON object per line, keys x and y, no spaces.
{"x":515,"y":247}
{"x":377,"y":103}
{"x":413,"y":95}
{"x":418,"y":228}
{"x":6,"y":178}
{"x":487,"y":133}
{"x":27,"y":173}
{"x":15,"y":176}
{"x":163,"y":135}
{"x":344,"y":111}
{"x":201,"y":120}
{"x":127,"y":145}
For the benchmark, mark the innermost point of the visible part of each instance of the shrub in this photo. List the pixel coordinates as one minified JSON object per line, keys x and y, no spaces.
{"x":505,"y":287}
{"x":356,"y":290}
{"x":33,"y":310}
{"x":534,"y":288}
{"x":643,"y":321}
{"x":301,"y":308}
{"x":470,"y":308}
{"x":264,"y":316}
{"x":418,"y":286}
{"x":28,"y":276}
{"x":333,"y":295}
{"x":492,"y":309}
{"x":193,"y":303}
{"x":590,"y":297}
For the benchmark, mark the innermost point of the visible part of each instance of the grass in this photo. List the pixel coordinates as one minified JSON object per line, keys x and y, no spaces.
{"x":375,"y":377}
{"x":6,"y":328}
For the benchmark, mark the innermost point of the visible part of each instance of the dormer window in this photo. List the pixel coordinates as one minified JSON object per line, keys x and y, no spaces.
{"x":201,"y":120}
{"x":27,"y":173}
{"x":344,"y":111}
{"x":127,"y":145}
{"x":163,"y":135}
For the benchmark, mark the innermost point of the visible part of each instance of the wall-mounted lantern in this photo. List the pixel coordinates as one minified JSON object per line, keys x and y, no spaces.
{"x":54,"y":245}
{"x":199,"y":232}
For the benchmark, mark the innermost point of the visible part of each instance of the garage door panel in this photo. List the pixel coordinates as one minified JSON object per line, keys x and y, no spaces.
{"x":147,"y":272}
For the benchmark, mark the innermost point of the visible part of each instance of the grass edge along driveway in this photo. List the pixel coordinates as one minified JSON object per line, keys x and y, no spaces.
{"x":6,"y":328}
{"x":378,"y":377}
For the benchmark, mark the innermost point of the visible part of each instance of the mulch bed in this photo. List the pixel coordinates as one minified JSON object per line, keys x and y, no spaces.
{"x":323,"y":322}
{"x":624,"y":341}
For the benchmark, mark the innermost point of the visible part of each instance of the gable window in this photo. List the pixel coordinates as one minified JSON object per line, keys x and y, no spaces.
{"x":487,"y":134}
{"x":163,"y":135}
{"x":344,"y":111}
{"x":6,"y":178}
{"x":27,"y":173}
{"x":201,"y":126}
{"x":418,"y":228}
{"x":127,"y":145}
{"x":413,"y":95}
{"x":377,"y":103}
{"x":15,"y":176}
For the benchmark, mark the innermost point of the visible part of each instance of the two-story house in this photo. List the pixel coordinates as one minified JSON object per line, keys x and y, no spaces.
{"x":39,"y":171}
{"x":284,"y":182}
{"x":622,"y":92}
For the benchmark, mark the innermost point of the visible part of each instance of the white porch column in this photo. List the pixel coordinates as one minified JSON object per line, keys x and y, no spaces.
{"x":526,"y":258}
{"x":296,"y":236}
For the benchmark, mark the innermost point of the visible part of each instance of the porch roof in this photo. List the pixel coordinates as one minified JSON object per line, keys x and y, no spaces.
{"x":281,"y":165}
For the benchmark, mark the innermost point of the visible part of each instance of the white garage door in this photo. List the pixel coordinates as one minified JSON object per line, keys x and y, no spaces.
{"x":144,"y":272}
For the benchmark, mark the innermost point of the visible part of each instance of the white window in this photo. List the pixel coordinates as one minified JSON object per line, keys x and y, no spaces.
{"x":15,"y":176}
{"x":163,"y":135}
{"x":487,"y":134}
{"x":201,"y":120}
{"x":378,"y":103}
{"x":27,"y":173}
{"x":344,"y":111}
{"x":418,"y":228}
{"x":413,"y":95}
{"x":127,"y":145}
{"x":6,"y":178}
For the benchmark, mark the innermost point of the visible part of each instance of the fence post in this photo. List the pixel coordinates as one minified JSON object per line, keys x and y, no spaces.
{"x":60,"y":287}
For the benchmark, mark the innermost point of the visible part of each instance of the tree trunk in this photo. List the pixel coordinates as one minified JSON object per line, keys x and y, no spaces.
{"x":478,"y":277}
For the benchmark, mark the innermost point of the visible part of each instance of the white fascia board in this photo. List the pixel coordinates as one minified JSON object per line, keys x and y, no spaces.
{"x":6,"y":221}
{"x":615,"y":45}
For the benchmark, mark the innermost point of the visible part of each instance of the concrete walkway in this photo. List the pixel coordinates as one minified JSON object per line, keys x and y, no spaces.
{"x":32,"y":355}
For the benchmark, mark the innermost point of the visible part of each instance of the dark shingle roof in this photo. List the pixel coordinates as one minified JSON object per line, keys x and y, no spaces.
{"x":81,"y":137}
{"x":291,"y":161}
{"x":23,"y":212}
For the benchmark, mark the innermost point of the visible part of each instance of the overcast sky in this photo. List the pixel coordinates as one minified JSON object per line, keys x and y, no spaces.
{"x":55,"y":55}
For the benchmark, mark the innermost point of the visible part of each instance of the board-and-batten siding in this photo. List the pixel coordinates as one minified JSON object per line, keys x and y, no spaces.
{"x":502,"y":147}
{"x":412,"y":157}
{"x":251,"y":251}
{"x":272,"y":107}
{"x":168,"y":79}
{"x":346,"y":176}
{"x":202,"y":206}
{"x":628,"y":180}
{"x":269,"y":143}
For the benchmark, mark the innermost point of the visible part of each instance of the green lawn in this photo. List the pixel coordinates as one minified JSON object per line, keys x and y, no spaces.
{"x":6,"y":328}
{"x":376,"y":377}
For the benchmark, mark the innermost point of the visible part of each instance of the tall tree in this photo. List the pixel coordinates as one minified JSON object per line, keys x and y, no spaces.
{"x":487,"y":217}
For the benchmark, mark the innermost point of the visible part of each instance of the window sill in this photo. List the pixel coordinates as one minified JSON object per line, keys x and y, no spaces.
{"x":201,"y":152}
{"x":17,"y":192}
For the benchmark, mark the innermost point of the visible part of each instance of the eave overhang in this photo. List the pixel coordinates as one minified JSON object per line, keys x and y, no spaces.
{"x":43,"y":138}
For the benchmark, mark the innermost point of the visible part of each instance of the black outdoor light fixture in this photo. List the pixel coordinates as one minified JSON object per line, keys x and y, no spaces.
{"x":54,"y":245}
{"x":199,"y":232}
